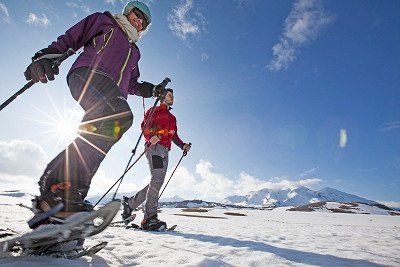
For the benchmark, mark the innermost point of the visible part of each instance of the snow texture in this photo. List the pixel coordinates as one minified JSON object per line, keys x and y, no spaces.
{"x":261,"y":238}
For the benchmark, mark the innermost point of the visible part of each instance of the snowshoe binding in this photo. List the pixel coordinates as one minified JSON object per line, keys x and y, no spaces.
{"x":153,"y":224}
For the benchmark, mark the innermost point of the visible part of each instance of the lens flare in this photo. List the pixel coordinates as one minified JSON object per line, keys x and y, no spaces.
{"x":343,"y":138}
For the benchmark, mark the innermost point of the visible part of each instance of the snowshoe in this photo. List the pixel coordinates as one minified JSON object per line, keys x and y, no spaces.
{"x":153,"y":224}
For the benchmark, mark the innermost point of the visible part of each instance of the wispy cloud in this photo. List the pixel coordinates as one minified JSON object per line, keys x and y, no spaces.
{"x":368,"y":169}
{"x":36,"y":20}
{"x":390,"y":126}
{"x":111,"y":2}
{"x":303,"y":25}
{"x":79,"y":5}
{"x":204,"y":56}
{"x":395,"y":162}
{"x":208,"y":184}
{"x":4,"y":15}
{"x":308,"y":172}
{"x":184,"y":21}
{"x":245,"y":5}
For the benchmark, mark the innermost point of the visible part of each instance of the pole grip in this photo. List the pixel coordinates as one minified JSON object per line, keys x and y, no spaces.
{"x":185,"y":152}
{"x":165,"y":82}
{"x":64,"y":56}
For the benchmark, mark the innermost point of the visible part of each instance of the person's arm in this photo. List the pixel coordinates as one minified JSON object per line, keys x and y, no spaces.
{"x":79,"y":34}
{"x":42,"y":66}
{"x":176,"y":139}
{"x":144,"y":89}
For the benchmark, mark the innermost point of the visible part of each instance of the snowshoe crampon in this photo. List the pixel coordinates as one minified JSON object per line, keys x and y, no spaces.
{"x":75,"y":227}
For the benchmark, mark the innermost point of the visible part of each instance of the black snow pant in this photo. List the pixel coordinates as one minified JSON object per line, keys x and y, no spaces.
{"x":107,"y":117}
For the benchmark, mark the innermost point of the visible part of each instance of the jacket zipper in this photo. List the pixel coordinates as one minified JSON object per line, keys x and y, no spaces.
{"x":105,"y":41}
{"x":124,"y":66}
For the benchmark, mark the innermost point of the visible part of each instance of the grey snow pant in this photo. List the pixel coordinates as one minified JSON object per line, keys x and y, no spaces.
{"x":157,"y":157}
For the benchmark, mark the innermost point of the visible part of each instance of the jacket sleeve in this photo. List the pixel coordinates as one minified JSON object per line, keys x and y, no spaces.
{"x":144,"y":89}
{"x":79,"y":34}
{"x":134,"y":85}
{"x":175,"y":138}
{"x":150,"y":129}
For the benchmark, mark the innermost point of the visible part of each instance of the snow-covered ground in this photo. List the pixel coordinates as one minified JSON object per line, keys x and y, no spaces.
{"x":262,"y":238}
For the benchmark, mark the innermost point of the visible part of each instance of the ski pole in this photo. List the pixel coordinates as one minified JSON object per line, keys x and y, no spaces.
{"x":56,"y":63}
{"x":159,"y":98}
{"x":183,"y":154}
{"x":122,"y":176}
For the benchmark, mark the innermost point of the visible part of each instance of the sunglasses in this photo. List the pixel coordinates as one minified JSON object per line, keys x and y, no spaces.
{"x":141,"y":16}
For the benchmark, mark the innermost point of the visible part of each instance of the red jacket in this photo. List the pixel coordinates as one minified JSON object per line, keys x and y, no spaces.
{"x":163,"y":124}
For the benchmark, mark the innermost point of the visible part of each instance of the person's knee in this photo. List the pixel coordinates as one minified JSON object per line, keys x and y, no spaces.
{"x":156,"y":183}
{"x":121,"y":125}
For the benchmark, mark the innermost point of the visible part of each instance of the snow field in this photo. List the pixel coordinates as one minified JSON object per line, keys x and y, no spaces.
{"x":262,"y":238}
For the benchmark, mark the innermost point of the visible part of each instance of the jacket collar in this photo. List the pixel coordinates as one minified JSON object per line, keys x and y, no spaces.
{"x":164,"y":106}
{"x":111,"y":17}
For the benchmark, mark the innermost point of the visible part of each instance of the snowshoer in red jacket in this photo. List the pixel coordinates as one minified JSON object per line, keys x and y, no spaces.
{"x":159,"y":133}
{"x":100,"y":80}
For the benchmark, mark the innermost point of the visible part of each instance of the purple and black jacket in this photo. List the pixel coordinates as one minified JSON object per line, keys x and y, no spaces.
{"x":106,"y":48}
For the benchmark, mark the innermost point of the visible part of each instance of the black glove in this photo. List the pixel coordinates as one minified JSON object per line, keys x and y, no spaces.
{"x":147,"y":89}
{"x":42,"y":66}
{"x":159,"y":91}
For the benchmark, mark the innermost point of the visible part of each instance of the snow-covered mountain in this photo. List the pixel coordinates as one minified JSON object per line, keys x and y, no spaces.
{"x":175,"y":198}
{"x":292,"y":197}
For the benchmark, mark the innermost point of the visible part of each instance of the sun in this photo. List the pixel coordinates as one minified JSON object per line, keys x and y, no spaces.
{"x":61,"y":123}
{"x":66,"y":129}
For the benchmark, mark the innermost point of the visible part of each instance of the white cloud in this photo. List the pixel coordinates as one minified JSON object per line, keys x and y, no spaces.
{"x":390,"y":126}
{"x":33,"y":19}
{"x":207,"y":184}
{"x":184,"y":22}
{"x":308,"y":172}
{"x":23,"y":183}
{"x":112,"y":2}
{"x":22,"y":157}
{"x":303,"y":25}
{"x":21,"y":164}
{"x":79,"y":5}
{"x":368,"y":169}
{"x":391,"y":204}
{"x":4,"y":15}
{"x":101,"y":183}
{"x":204,"y":56}
{"x":245,"y":5}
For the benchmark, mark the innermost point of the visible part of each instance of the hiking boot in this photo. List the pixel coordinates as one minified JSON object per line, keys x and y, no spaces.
{"x":50,"y":200}
{"x":127,"y":209}
{"x":153,"y":224}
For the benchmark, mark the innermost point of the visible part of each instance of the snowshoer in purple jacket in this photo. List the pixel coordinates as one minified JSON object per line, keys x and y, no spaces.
{"x":100,"y":80}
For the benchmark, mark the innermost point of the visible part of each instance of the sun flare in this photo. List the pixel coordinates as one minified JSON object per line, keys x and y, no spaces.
{"x":66,"y":128}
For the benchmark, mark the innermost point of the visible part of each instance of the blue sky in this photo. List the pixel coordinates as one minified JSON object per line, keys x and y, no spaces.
{"x":271,"y":94}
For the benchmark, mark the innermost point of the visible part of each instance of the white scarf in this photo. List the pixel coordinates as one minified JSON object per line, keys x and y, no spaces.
{"x":127,"y":28}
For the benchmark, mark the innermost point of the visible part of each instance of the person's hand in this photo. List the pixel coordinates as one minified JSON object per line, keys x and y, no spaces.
{"x":158,"y":91}
{"x":154,"y":139}
{"x":41,"y":70}
{"x":186,"y":148}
